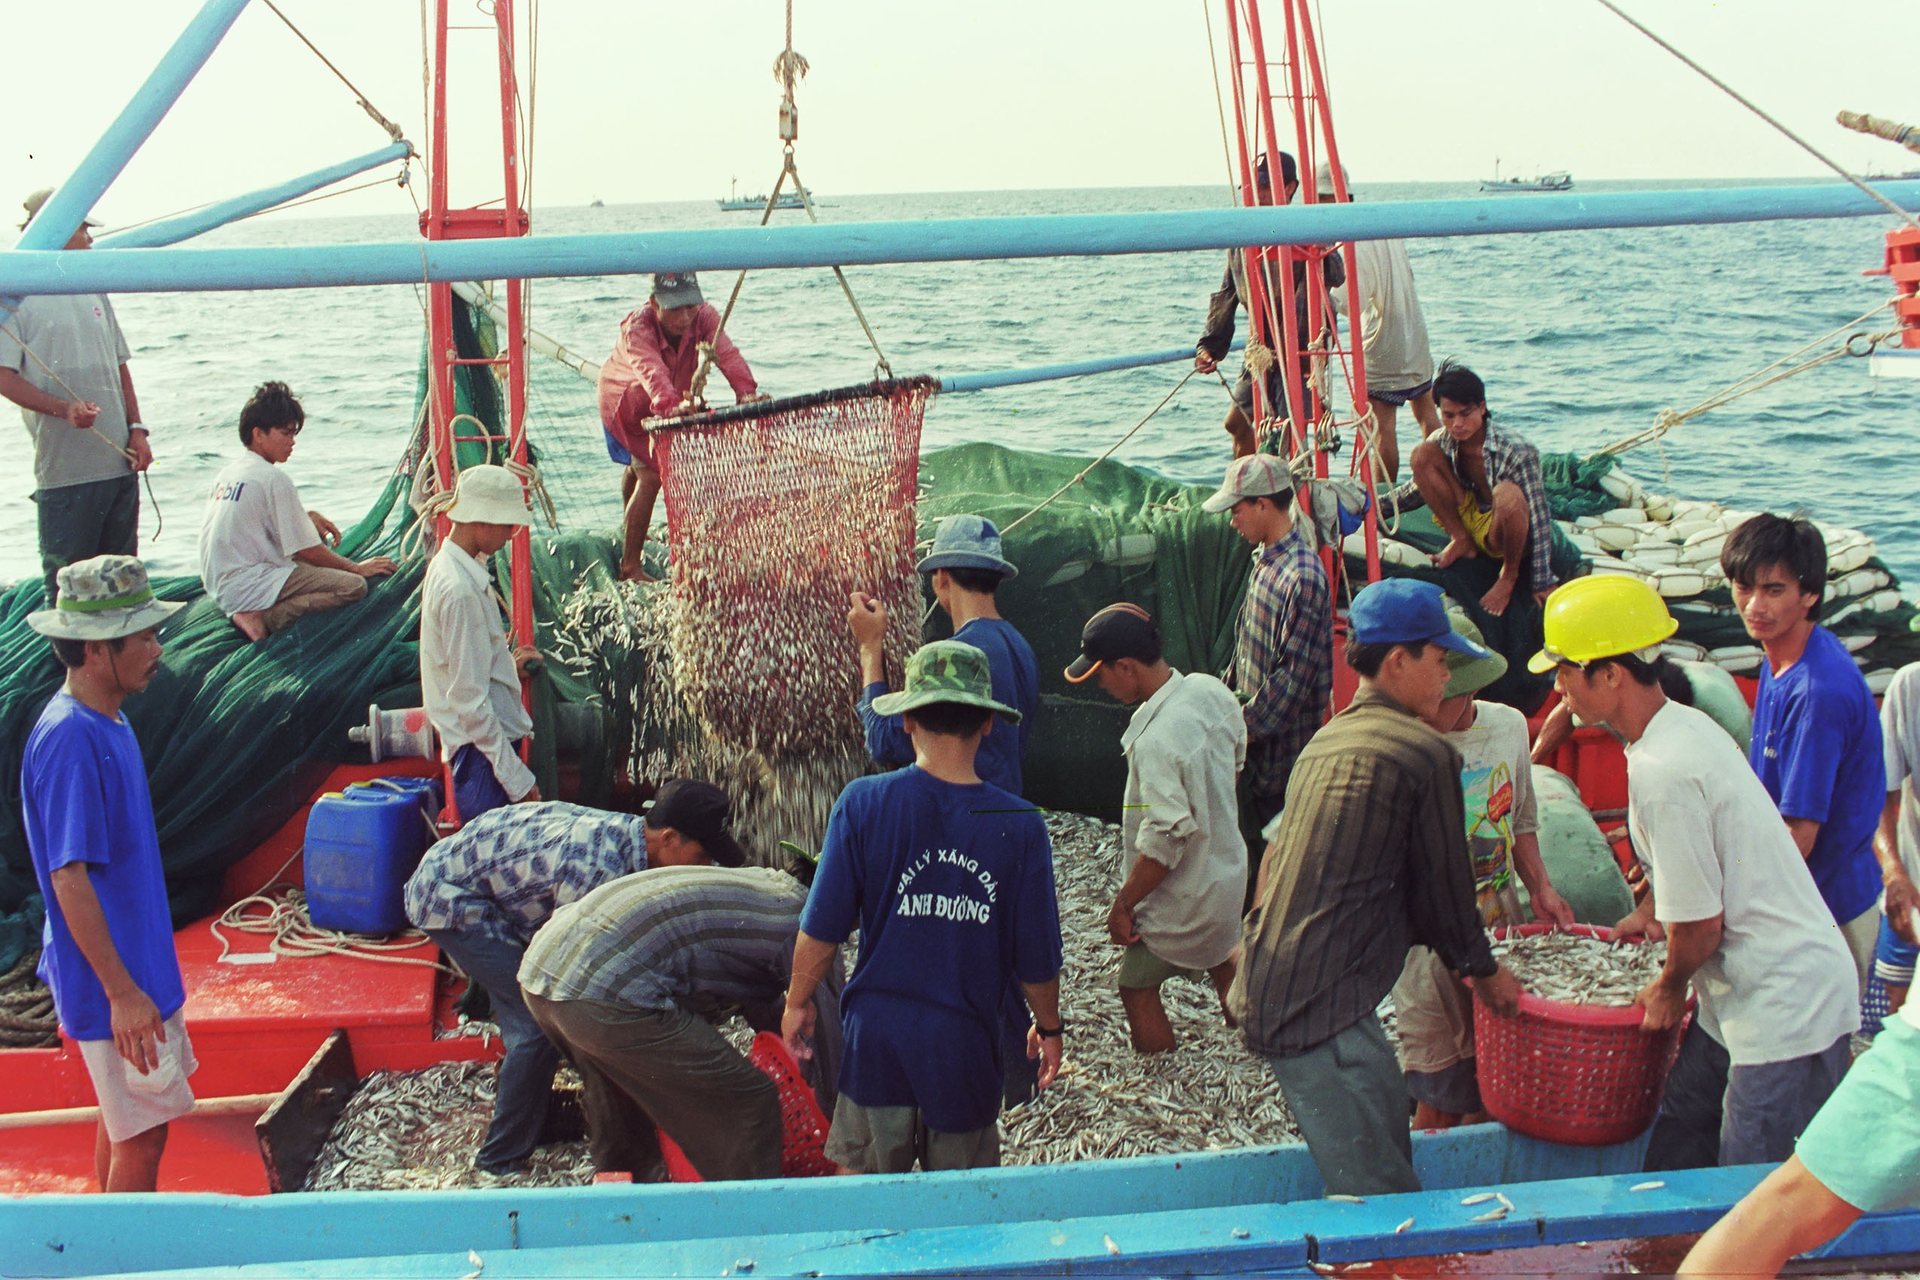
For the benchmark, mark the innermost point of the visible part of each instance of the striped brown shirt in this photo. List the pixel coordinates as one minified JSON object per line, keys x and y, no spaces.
{"x":1371,"y":857}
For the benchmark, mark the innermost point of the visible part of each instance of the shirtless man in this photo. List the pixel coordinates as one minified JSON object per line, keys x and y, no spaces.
{"x":1483,"y":484}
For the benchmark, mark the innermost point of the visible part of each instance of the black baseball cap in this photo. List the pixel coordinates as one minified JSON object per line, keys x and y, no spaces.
{"x":698,"y":811}
{"x":1117,"y":631}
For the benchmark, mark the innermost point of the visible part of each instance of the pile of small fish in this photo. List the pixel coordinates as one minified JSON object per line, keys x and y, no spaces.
{"x":1575,"y":969}
{"x":418,"y":1131}
{"x":1209,"y":1093}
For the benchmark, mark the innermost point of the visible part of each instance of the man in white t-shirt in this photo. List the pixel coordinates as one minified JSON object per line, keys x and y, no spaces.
{"x":1432,"y":1007}
{"x":1897,"y":843}
{"x":1743,"y":920}
{"x":1178,"y":912}
{"x":1393,"y":334}
{"x":263,"y":559}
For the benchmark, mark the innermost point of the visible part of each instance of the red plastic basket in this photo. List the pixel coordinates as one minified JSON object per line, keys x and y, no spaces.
{"x":1583,"y":1075}
{"x":804,"y":1125}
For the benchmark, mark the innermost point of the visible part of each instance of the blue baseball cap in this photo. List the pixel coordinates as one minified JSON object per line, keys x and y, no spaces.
{"x":967,"y":542}
{"x":1408,"y":611}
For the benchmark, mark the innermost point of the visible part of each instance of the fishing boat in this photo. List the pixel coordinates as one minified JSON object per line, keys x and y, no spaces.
{"x":1558,"y":180}
{"x":737,"y":203}
{"x":285,"y":1039}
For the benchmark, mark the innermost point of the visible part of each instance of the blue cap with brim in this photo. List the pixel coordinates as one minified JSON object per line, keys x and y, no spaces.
{"x":1408,"y":611}
{"x":967,"y":542}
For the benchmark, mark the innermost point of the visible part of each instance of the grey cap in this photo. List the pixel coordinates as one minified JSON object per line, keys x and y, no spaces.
{"x":677,"y":289}
{"x":967,"y":542}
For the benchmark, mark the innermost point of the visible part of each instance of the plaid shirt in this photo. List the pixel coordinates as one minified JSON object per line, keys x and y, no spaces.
{"x":507,"y":870}
{"x":1508,"y":458}
{"x":1283,"y":659}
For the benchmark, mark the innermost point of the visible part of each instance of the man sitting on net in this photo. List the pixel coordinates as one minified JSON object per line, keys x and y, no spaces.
{"x":1484,"y":486}
{"x":263,"y":559}
{"x":650,"y":375}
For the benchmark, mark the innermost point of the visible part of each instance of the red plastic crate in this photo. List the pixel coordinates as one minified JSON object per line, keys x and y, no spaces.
{"x":804,"y":1125}
{"x":1583,"y":1075}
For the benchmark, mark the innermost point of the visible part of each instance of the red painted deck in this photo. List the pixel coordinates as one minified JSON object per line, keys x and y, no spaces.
{"x":253,"y":1027}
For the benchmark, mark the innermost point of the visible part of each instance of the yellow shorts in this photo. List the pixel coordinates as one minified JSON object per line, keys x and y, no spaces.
{"x":1478,"y":524}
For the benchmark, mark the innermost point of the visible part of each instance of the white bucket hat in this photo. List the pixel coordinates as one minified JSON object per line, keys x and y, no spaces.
{"x":490,"y":495}
{"x":104,"y":598}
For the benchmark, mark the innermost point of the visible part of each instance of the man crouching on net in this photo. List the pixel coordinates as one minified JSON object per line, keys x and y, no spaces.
{"x":650,"y":375}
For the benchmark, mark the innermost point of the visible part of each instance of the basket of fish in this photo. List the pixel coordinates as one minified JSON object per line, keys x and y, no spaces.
{"x":1575,"y":1066}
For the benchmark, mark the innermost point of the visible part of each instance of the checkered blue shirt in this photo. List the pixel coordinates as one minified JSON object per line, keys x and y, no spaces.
{"x":1513,"y":459}
{"x":507,"y":870}
{"x":1283,"y":659}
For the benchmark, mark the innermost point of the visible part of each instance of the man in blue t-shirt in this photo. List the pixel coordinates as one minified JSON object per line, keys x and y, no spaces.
{"x":965,"y":567}
{"x":107,"y":948}
{"x":949,"y":880}
{"x":1816,"y":735}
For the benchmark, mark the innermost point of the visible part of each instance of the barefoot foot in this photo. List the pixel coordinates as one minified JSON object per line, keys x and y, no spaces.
{"x":252,"y":624}
{"x":636,"y":573}
{"x":1498,"y":597}
{"x":1456,"y":549}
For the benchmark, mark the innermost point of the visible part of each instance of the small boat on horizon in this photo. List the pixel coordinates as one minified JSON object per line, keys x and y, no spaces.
{"x":1558,"y":180}
{"x":737,"y":203}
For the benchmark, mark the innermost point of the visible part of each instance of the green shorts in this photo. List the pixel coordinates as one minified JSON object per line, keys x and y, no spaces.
{"x":892,"y":1139}
{"x":1142,"y":970}
{"x":1864,"y":1145}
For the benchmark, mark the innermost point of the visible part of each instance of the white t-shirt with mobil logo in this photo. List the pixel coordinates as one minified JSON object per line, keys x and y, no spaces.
{"x":73,"y":350}
{"x":254,"y":524}
{"x":1782,"y":983}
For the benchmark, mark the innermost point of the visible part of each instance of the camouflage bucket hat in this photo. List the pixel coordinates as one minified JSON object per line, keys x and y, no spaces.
{"x":946,"y":671}
{"x":104,"y":598}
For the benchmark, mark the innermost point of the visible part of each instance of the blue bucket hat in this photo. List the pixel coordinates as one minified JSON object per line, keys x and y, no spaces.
{"x":1408,"y":611}
{"x":967,"y":542}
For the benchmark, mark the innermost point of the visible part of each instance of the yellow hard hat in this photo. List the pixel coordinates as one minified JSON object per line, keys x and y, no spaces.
{"x":1602,"y":616}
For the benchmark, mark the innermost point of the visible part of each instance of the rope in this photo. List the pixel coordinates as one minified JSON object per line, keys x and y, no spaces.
{"x":282,"y":917}
{"x":1803,"y":144}
{"x":393,"y":130}
{"x":1892,"y":130}
{"x":1668,"y":419}
{"x":1219,"y":103}
{"x":1009,"y":528}
{"x":27,"y":1019}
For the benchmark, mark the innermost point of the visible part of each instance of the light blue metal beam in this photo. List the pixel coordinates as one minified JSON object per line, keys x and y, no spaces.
{"x":61,"y":215}
{"x":866,"y":243}
{"x":1050,"y":372}
{"x":188,"y":225}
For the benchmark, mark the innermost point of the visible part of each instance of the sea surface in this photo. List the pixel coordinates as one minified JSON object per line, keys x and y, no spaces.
{"x":1582,"y":337}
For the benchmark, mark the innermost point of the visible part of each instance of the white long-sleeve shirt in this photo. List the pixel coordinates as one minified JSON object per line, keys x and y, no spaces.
{"x":467,"y":672}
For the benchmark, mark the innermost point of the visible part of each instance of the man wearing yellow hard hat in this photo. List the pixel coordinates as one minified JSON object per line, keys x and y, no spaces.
{"x":1744,"y":922}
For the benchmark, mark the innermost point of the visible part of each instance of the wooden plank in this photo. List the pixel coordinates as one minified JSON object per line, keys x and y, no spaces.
{"x":238,"y":1104}
{"x":296,"y":1125}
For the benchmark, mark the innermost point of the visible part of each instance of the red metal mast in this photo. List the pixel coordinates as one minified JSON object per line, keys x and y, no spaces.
{"x":1305,"y":101}
{"x":504,"y":215}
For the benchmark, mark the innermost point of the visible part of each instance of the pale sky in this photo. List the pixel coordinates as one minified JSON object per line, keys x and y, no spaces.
{"x":638,"y":100}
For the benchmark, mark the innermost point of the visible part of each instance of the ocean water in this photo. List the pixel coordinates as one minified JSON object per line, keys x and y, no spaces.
{"x":1582,"y":338}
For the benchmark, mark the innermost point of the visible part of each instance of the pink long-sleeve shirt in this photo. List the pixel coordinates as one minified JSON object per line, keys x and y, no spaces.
{"x":648,"y":374}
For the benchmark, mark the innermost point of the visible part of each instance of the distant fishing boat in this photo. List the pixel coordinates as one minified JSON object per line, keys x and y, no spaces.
{"x":737,"y":203}
{"x":597,"y":203}
{"x":1559,"y":180}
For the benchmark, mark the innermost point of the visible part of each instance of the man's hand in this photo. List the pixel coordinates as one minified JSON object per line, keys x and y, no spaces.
{"x":1548,"y":905}
{"x":532,"y":796}
{"x":142,"y":451}
{"x":867,"y":619}
{"x":1664,"y":1006}
{"x":329,"y":531}
{"x":1540,"y":597}
{"x":1640,"y":924}
{"x":376,"y":567}
{"x":80,"y":413}
{"x":1902,"y":899}
{"x":796,"y":1031}
{"x":1120,"y":925}
{"x":138,"y":1030}
{"x":525,"y":657}
{"x":1499,"y":991}
{"x":1048,"y":1050}
{"x":1204,"y":363}
{"x":756,"y":398}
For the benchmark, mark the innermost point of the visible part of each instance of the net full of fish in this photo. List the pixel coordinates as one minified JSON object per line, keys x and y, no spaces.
{"x":1575,"y":969}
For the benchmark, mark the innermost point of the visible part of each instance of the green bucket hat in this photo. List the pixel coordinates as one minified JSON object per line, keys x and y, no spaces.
{"x":1467,"y":674}
{"x":946,"y":671}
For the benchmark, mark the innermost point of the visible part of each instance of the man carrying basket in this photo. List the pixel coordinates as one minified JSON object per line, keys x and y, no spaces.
{"x":1744,"y":922}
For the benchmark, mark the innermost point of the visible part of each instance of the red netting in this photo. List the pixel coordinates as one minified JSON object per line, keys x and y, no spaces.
{"x":803,"y":1124}
{"x":1584,"y":1075}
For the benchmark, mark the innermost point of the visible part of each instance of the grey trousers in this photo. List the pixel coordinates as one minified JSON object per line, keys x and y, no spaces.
{"x":81,"y":521}
{"x":1350,"y":1100}
{"x":1714,"y":1113}
{"x":647,"y":1067}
